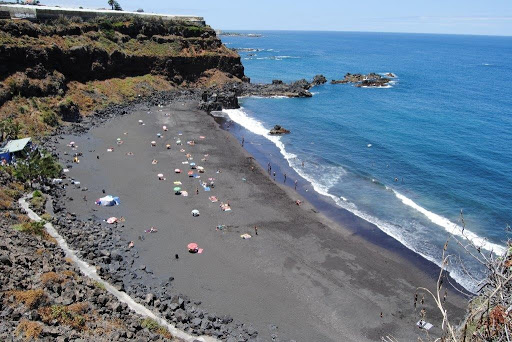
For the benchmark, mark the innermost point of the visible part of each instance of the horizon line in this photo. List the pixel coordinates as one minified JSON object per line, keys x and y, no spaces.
{"x":359,"y":31}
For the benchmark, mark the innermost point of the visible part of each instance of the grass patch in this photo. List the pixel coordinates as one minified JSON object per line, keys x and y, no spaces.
{"x":99,"y":285}
{"x":38,"y":202}
{"x":47,"y":217}
{"x":73,"y":315}
{"x":34,"y":228}
{"x":30,"y":329}
{"x":30,"y":298}
{"x":156,"y":328}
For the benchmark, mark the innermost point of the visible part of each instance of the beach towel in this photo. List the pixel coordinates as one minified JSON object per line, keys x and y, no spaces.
{"x":177,"y":183}
{"x":108,"y":201}
{"x":213,"y":199}
{"x":184,"y":193}
{"x":245,"y":236}
{"x":185,"y":162}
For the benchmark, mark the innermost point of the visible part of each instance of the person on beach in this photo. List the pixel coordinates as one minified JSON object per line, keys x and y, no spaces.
{"x":274,"y":175}
{"x":255,"y":230}
{"x":295,"y":183}
{"x":243,"y":140}
{"x":197,"y":190}
{"x":285,"y":178}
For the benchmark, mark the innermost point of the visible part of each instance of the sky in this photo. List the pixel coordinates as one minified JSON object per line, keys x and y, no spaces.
{"x":482,"y":17}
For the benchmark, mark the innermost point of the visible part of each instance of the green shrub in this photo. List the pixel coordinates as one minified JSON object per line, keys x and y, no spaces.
{"x":34,"y":228}
{"x":37,"y":165}
{"x":50,"y":118}
{"x":38,"y":202}
{"x":46,"y":217}
{"x":37,"y":193}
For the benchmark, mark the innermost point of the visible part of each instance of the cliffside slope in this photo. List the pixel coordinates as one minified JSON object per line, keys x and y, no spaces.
{"x":57,"y":71}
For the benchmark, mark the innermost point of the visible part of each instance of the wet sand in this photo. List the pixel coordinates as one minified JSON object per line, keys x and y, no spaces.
{"x":303,"y":277}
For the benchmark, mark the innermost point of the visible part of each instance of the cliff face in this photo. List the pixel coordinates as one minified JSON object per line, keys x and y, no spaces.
{"x":71,"y":60}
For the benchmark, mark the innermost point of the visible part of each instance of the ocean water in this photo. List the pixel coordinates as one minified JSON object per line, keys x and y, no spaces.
{"x":443,"y":130}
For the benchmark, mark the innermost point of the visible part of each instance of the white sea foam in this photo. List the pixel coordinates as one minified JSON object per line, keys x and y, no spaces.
{"x":325,"y":177}
{"x":451,"y":227}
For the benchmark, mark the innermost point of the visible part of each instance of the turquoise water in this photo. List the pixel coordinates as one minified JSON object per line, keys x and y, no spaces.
{"x":442,"y":130}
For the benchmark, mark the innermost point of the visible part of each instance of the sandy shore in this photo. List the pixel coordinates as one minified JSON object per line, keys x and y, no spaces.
{"x":303,"y":277}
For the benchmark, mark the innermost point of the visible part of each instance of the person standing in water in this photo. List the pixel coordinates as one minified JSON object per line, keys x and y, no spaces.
{"x":243,"y":140}
{"x":295,"y":184}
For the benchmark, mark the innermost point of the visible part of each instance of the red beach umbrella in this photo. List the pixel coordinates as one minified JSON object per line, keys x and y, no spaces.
{"x":192,"y":247}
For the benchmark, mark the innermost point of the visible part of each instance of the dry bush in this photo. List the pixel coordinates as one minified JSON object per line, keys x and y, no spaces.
{"x":30,"y":329}
{"x":30,"y":298}
{"x":74,"y":315}
{"x":51,"y":278}
{"x":489,"y":313}
{"x":154,"y":327}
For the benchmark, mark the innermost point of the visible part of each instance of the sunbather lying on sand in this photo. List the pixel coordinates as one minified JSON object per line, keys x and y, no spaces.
{"x":151,"y":230}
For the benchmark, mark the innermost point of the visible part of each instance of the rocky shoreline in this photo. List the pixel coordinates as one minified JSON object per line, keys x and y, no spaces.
{"x":227,"y":96}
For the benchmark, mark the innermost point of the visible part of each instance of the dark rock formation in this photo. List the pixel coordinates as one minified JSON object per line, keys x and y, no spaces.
{"x":69,"y":111}
{"x":227,"y":96}
{"x":362,"y":80}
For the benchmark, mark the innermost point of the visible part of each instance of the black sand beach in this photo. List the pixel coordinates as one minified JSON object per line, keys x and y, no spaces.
{"x":303,"y":277}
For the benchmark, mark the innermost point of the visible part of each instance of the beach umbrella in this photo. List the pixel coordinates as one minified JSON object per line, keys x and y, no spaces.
{"x":153,"y":143}
{"x":195,"y":212}
{"x":192,"y":247}
{"x":177,"y":170}
{"x":168,"y":146}
{"x":140,"y":122}
{"x":159,"y":135}
{"x":192,"y":164}
{"x":160,"y":175}
{"x":177,"y":188}
{"x":118,"y":139}
{"x":190,"y":173}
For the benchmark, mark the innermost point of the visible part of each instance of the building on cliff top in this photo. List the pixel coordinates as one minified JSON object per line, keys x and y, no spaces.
{"x":14,"y":11}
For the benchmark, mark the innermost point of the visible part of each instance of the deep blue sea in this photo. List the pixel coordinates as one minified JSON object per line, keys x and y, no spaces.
{"x":443,"y":129}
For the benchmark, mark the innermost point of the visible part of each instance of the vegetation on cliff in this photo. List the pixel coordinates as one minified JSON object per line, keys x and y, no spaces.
{"x":53,"y":72}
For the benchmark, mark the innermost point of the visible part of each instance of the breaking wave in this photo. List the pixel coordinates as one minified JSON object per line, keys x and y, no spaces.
{"x":323,"y":177}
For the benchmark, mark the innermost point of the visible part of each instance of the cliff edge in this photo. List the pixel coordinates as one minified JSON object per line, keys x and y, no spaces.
{"x":58,"y":70}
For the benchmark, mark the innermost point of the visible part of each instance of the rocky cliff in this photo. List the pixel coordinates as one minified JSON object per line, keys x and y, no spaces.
{"x":46,"y":68}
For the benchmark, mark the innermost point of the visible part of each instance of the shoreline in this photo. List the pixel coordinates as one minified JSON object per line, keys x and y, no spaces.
{"x":326,"y":206}
{"x":267,"y":255}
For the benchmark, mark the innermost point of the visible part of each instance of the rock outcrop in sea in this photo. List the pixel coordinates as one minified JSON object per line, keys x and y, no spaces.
{"x":365,"y":80}
{"x":227,"y":96}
